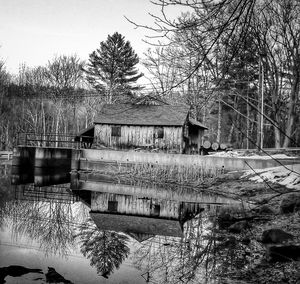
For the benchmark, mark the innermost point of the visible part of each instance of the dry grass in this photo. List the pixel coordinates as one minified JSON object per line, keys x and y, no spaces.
{"x":179,"y":174}
{"x":148,"y":173}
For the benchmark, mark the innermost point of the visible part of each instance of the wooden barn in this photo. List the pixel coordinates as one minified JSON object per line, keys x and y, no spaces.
{"x":153,"y":127}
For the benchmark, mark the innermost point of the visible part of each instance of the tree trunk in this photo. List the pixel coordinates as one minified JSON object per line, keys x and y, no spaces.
{"x":229,"y":140}
{"x":289,"y":128}
{"x":43,"y":120}
{"x":7,"y":137}
{"x":277,"y":134}
{"x":56,"y":128}
{"x":291,"y":112}
{"x":219,"y":121}
{"x":259,"y":106}
{"x":277,"y":137}
{"x":248,"y":120}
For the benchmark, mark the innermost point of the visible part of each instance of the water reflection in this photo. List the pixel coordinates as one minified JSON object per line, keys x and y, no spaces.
{"x":201,"y":255}
{"x":170,"y":236}
{"x":48,"y":223}
{"x":39,"y":176}
{"x":177,"y":239}
{"x":55,"y":193}
{"x":106,"y":250}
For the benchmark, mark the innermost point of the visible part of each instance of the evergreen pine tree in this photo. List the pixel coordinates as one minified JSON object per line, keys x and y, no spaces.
{"x":112,"y":68}
{"x":106,"y":250}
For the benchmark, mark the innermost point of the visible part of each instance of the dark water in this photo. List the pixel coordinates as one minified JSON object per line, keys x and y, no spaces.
{"x":101,"y":231}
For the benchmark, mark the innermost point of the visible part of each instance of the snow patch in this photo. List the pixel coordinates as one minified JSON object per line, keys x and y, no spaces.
{"x":288,"y":176}
{"x":236,"y":154}
{"x":226,"y":154}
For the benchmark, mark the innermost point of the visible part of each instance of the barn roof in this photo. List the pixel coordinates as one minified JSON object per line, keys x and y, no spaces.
{"x":138,"y":225}
{"x":129,"y":114}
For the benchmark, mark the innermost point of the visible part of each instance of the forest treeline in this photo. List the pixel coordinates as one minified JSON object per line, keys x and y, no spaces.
{"x":48,"y":99}
{"x":226,"y":59}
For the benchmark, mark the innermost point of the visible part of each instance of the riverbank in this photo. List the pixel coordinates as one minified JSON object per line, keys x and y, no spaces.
{"x":275,"y":205}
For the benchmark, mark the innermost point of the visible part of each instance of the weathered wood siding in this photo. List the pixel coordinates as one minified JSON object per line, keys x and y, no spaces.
{"x":134,"y":205}
{"x":139,"y":136}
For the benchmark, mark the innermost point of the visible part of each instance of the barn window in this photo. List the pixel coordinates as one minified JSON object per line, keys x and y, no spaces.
{"x":116,"y":131}
{"x":158,"y":132}
{"x":155,"y":210}
{"x":112,"y":206}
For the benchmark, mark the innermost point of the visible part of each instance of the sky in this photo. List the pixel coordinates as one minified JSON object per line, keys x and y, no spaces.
{"x":34,"y":31}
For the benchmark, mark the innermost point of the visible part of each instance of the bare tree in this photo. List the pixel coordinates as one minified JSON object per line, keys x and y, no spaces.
{"x":278,"y":38}
{"x":219,"y":29}
{"x":64,"y":75}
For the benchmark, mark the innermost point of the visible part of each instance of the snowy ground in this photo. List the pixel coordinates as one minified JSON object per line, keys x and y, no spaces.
{"x":287,"y":175}
{"x":236,"y":154}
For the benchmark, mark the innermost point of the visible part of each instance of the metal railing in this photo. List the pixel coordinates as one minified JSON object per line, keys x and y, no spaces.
{"x":55,"y":140}
{"x":55,"y":193}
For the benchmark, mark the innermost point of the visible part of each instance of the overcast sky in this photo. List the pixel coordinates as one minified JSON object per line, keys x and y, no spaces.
{"x":34,"y":31}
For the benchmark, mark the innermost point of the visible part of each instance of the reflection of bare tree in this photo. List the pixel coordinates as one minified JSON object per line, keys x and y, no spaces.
{"x":6,"y":194}
{"x":202,"y":254}
{"x":51,"y":224}
{"x":106,"y":250}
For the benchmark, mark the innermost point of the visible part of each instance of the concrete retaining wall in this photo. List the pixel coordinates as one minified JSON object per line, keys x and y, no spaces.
{"x":90,"y":157}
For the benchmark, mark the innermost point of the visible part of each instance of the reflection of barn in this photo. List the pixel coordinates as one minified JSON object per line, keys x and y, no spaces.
{"x":141,"y":217}
{"x":139,"y":227}
{"x":160,"y":127}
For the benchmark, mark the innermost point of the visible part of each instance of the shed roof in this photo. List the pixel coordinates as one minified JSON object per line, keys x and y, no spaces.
{"x":86,"y":132}
{"x":129,"y":114}
{"x":133,"y":224}
{"x":89,"y":130}
{"x":197,"y":123}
